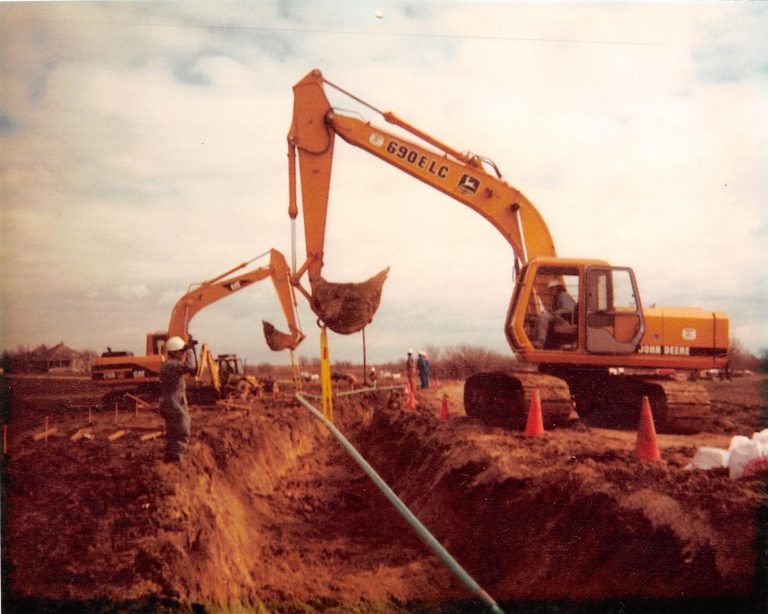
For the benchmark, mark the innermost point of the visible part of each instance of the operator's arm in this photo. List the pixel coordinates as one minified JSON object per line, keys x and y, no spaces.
{"x":565,"y":305}
{"x":189,"y":362}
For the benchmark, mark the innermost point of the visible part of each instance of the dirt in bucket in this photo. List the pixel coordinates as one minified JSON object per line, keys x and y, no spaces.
{"x":347,"y":308}
{"x":278,"y":340}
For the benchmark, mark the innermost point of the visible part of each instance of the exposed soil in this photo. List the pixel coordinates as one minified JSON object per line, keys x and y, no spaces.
{"x":268,"y":513}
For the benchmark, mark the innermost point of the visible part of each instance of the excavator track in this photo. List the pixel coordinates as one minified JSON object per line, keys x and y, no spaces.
{"x":503,"y":398}
{"x":678,"y":407}
{"x":614,"y":401}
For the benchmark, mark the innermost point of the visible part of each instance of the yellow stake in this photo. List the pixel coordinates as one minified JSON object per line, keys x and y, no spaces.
{"x":325,"y":376}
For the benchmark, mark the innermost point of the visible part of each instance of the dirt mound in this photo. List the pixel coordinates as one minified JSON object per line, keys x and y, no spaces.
{"x":562,"y":518}
{"x":267,"y":511}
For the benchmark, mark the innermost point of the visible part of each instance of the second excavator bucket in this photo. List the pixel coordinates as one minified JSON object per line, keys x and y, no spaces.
{"x":277,"y":340}
{"x":346,"y":308}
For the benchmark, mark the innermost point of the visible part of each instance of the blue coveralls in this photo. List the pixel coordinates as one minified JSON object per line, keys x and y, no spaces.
{"x":422,"y":364}
{"x":173,"y":406}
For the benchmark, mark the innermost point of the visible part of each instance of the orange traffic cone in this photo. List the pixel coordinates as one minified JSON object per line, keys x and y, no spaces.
{"x":535,"y":424}
{"x":444,"y":409}
{"x":411,"y":403}
{"x":646,"y":447}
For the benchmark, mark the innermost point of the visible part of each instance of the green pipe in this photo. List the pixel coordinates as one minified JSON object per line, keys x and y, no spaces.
{"x":358,"y":391}
{"x":362,"y":390}
{"x":422,"y":531}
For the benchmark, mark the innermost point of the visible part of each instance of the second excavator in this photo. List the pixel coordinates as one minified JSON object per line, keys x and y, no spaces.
{"x":598,"y":350}
{"x":121,"y":372}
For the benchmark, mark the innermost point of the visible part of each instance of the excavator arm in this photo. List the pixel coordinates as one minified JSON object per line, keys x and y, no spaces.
{"x":226,"y":284}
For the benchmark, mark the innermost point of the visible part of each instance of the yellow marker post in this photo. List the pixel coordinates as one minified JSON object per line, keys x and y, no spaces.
{"x":325,"y":376}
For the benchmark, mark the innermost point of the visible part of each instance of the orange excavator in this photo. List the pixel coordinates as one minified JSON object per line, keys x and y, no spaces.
{"x":123,"y":372}
{"x":580,"y":321}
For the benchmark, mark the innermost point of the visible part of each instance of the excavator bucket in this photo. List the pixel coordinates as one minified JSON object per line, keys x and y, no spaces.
{"x":347,"y":307}
{"x":277,"y":340}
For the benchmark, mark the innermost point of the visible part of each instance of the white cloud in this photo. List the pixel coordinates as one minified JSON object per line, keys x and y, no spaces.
{"x":132,"y":292}
{"x":148,"y":152}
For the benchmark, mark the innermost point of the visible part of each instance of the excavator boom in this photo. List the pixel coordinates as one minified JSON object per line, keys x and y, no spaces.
{"x":461,"y":177}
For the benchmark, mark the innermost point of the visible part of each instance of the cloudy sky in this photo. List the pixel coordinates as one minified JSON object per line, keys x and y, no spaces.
{"x":142,"y":148}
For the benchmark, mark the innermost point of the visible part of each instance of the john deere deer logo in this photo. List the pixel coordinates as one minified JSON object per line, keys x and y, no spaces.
{"x":468,"y":184}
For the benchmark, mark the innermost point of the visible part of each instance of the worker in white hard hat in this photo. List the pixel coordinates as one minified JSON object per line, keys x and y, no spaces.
{"x":563,"y":312}
{"x":173,"y":399}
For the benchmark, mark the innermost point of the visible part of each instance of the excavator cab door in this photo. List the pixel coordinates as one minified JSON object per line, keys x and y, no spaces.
{"x":614,"y":316}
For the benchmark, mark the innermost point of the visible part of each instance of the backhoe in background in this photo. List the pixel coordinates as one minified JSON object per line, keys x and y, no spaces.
{"x":599,"y":359}
{"x":121,"y":372}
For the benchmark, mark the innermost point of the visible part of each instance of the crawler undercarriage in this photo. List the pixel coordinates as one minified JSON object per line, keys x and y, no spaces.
{"x":597,"y":396}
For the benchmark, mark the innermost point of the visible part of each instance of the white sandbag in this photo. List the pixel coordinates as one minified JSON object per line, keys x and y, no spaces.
{"x":761,"y":436}
{"x":738,"y":440}
{"x":746,"y":455}
{"x":710,"y":458}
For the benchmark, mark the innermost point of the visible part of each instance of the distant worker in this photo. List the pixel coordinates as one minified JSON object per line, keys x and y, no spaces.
{"x":373,"y":377}
{"x":410,"y":369}
{"x":422,"y":365}
{"x":563,"y":313}
{"x":173,"y":399}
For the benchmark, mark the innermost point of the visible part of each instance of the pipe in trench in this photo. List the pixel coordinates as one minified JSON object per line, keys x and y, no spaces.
{"x":358,"y":391}
{"x":406,"y":513}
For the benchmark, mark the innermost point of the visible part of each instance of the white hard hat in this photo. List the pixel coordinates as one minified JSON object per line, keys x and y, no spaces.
{"x":174,"y":344}
{"x":410,"y":351}
{"x":422,"y":353}
{"x":554,"y":282}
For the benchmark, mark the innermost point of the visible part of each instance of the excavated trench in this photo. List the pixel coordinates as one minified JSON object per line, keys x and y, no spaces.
{"x":268,"y":511}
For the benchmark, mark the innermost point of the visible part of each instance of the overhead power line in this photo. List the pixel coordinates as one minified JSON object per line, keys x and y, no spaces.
{"x":387,"y":33}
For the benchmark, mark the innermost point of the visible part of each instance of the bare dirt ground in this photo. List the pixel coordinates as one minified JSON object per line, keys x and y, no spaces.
{"x":267,"y":513}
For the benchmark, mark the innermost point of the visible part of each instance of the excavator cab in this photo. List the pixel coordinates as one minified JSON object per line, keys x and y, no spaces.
{"x":230,"y":367}
{"x":576,"y":307}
